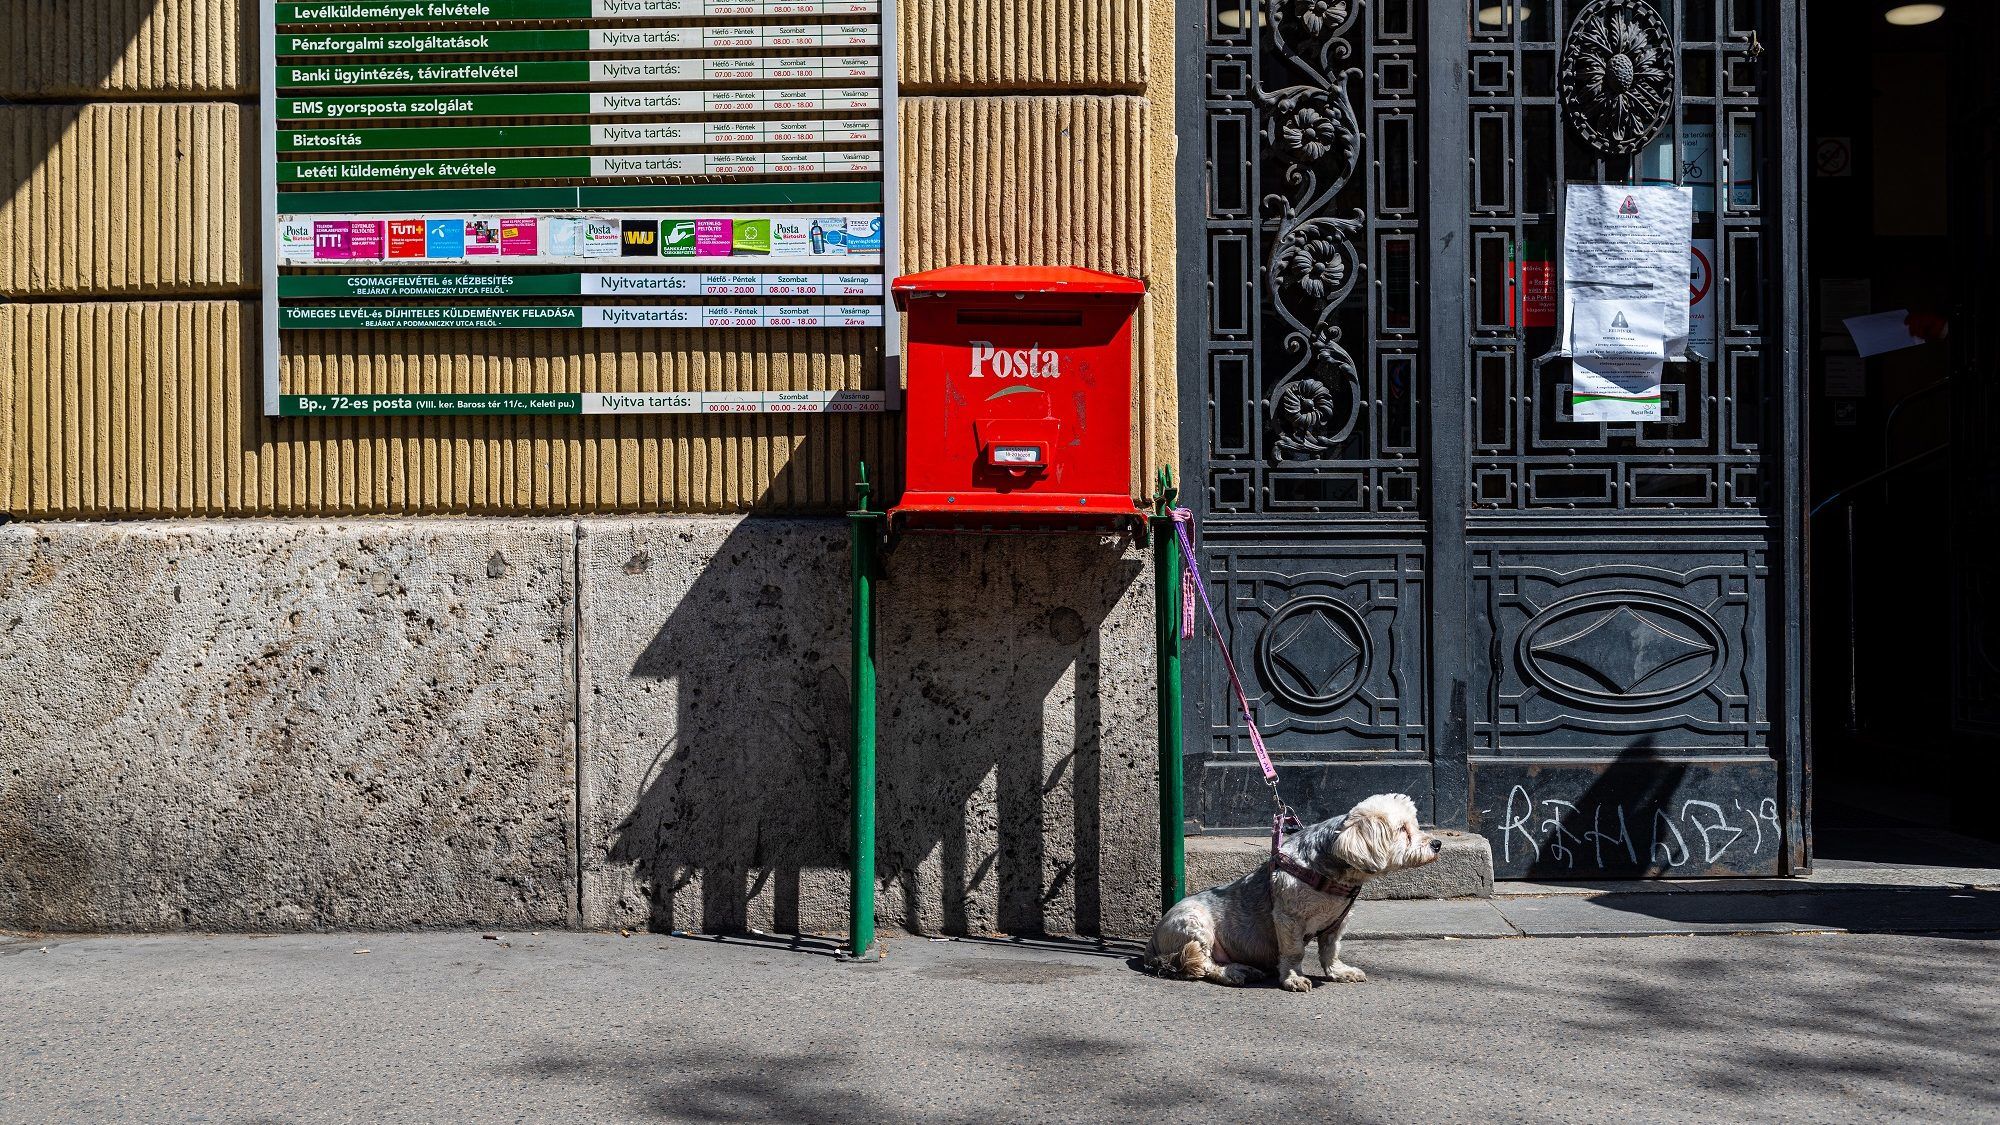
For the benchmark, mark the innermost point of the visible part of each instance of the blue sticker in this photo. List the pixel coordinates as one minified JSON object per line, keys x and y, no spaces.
{"x":444,"y":238}
{"x":857,"y":239}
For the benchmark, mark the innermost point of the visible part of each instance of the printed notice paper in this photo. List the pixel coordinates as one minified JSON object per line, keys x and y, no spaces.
{"x":1882,"y":332}
{"x":1625,"y":301}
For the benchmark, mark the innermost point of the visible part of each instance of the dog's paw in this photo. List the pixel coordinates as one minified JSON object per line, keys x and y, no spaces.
{"x":1346,"y":974}
{"x":1297,"y":982}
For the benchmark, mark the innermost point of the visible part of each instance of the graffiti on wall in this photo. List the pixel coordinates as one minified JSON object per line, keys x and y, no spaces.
{"x":1550,"y":832}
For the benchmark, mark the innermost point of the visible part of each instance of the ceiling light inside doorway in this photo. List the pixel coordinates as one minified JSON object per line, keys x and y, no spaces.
{"x":1911,"y":15}
{"x":1235,"y":14}
{"x":1494,"y":15}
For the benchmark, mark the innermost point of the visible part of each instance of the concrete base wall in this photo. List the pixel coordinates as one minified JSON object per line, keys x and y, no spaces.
{"x":259,"y":726}
{"x":271,"y":726}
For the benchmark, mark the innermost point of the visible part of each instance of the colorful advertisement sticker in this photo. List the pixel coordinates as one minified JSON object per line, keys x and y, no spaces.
{"x":713,"y":237}
{"x":406,"y":238}
{"x":598,"y":238}
{"x":751,"y":236}
{"x":639,"y":238}
{"x":344,"y":240}
{"x":520,"y":238}
{"x":482,"y":238}
{"x":677,"y":238}
{"x":857,"y":236}
{"x":444,"y":239}
{"x":295,"y":241}
{"x":791,"y":236}
{"x":559,"y":237}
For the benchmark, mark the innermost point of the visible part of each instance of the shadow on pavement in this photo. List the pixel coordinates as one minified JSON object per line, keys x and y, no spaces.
{"x":977,"y":1080}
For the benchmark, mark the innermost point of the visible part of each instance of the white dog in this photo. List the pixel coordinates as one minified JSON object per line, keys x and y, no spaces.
{"x":1240,"y":932}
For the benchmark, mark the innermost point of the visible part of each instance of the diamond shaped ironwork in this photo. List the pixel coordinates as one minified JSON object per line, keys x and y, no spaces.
{"x":1317,"y":651}
{"x":1622,"y":650}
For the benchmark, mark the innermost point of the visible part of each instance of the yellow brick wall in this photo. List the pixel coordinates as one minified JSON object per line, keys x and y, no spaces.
{"x":1033,"y":131}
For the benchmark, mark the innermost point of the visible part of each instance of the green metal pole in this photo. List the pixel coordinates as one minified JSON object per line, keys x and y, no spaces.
{"x":1167,"y":660}
{"x":863,"y":527}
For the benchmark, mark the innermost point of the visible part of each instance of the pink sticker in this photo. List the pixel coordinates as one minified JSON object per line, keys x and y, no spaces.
{"x":369,"y":239}
{"x":482,"y":237}
{"x":333,"y":240}
{"x":520,"y":238}
{"x":714,"y":237}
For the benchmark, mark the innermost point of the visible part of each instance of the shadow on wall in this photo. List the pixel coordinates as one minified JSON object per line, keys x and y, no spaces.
{"x":725,"y":740}
{"x":113,"y":27}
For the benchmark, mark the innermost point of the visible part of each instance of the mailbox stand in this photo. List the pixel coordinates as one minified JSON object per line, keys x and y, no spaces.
{"x":865,"y":531}
{"x":1018,"y":416}
{"x":1167,"y":691}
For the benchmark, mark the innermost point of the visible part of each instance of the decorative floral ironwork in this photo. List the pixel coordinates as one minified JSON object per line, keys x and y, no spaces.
{"x":1310,"y":128}
{"x":1305,"y":416}
{"x":1311,"y":260}
{"x":1617,"y":80}
{"x":1315,"y":26}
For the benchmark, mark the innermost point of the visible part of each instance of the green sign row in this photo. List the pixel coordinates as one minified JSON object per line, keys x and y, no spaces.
{"x":431,"y":285}
{"x":438,"y":105}
{"x":442,"y":139}
{"x":414,"y":74}
{"x":441,"y":42}
{"x":404,"y":405}
{"x":836,"y":193}
{"x":428,"y":316}
{"x":453,"y":11}
{"x":445,"y":11}
{"x":483,"y":168}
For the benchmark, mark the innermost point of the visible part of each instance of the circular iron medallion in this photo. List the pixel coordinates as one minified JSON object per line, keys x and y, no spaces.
{"x":1617,"y":80}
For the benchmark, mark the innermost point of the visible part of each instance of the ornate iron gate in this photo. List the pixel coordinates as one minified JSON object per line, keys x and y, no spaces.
{"x":1577,"y":638}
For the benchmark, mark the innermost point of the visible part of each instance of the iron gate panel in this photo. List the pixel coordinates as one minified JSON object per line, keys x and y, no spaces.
{"x":1614,"y":604}
{"x":1307,"y":352}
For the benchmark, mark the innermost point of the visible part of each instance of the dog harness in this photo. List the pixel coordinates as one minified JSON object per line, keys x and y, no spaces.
{"x":1317,"y":880}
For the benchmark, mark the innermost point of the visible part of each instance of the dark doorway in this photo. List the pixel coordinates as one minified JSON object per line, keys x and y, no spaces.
{"x":1905,"y":626}
{"x":1575,"y":633}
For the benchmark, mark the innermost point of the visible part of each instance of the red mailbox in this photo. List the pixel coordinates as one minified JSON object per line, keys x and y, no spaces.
{"x":1019,"y":409}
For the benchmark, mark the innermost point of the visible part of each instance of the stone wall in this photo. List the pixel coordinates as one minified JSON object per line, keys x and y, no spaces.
{"x":264,"y":726}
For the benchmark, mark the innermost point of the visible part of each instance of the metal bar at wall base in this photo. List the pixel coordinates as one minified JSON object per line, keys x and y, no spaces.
{"x":1167,"y":660}
{"x":864,"y":529}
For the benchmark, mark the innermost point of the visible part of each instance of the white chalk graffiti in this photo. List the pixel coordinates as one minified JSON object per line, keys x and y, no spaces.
{"x":1561,"y":832}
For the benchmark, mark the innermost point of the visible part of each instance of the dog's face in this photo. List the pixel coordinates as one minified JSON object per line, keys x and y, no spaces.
{"x":1381,"y":835}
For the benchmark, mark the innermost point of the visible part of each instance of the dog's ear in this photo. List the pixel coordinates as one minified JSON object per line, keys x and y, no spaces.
{"x":1365,"y":843}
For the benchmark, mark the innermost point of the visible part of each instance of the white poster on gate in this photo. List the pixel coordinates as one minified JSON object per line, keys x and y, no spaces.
{"x":1626,"y":302}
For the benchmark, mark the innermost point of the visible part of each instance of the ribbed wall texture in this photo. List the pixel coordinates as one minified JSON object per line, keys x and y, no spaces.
{"x":127,"y":48}
{"x":1042,"y":180}
{"x":1024,"y":44}
{"x":1008,"y":180}
{"x":132,"y":391}
{"x":152,"y":409}
{"x":127,"y":199}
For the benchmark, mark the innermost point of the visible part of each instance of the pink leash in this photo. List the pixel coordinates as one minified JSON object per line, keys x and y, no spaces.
{"x":1282,"y":818}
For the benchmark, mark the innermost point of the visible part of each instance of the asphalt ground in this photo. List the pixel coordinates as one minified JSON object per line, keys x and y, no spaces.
{"x":566,"y":1027}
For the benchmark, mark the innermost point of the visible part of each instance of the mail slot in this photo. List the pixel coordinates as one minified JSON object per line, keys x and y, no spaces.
{"x":1019,"y":403}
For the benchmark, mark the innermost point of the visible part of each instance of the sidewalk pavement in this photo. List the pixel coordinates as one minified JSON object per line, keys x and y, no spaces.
{"x":567,"y":1027}
{"x":1933,"y":882}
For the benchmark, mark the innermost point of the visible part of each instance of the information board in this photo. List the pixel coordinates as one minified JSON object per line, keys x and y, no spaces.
{"x":597,"y":165}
